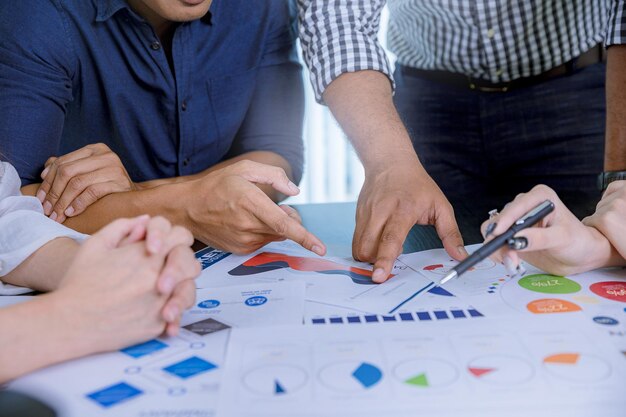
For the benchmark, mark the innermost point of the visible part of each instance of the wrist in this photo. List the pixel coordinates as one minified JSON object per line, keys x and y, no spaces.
{"x":180,"y":209}
{"x":51,"y":318}
{"x":602,"y":254}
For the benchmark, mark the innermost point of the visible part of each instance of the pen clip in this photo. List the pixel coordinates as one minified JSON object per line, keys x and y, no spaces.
{"x":533,"y":212}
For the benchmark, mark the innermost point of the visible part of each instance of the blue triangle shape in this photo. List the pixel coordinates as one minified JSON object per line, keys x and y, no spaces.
{"x":278,"y":389}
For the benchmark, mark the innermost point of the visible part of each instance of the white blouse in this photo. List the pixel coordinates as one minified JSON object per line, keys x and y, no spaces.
{"x":23,"y":227}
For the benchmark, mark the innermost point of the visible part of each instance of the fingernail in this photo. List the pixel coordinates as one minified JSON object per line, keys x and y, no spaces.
{"x":41,"y":196}
{"x":379,"y":275}
{"x":462,"y":251}
{"x":293,"y":188}
{"x":318,"y":250}
{"x":173,"y":314}
{"x":47,"y":208}
{"x":167,"y":284}
{"x":517,"y":243}
{"x":45,"y":172}
{"x":53,"y":216}
{"x":520,"y":271}
{"x":69,"y":211}
{"x":490,"y":229}
{"x":508,"y":263}
{"x":61,"y":218}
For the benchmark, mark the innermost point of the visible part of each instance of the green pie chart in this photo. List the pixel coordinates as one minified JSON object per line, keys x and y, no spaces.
{"x":424,"y":373}
{"x":549,"y":284}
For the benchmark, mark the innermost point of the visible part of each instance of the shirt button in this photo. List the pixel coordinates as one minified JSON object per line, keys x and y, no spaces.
{"x":491,"y":33}
{"x":498,"y":72}
{"x":183,"y":106}
{"x":186,"y":162}
{"x":156,"y":45}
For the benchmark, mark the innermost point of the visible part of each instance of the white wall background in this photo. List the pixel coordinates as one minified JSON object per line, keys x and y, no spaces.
{"x":332,"y":171}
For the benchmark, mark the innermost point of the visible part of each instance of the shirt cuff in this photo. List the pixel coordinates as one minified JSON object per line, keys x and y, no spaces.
{"x":16,"y":245}
{"x":341,"y":36}
{"x":339,"y":58}
{"x":616,"y":33}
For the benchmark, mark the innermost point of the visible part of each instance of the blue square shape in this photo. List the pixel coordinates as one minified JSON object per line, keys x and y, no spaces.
{"x":143,"y":349}
{"x":115,"y":394}
{"x":189,"y":367}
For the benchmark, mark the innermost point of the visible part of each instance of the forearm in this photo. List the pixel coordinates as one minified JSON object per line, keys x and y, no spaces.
{"x":615,"y":149}
{"x":44,"y":269}
{"x":363,"y":105}
{"x":24,"y":327}
{"x":165,"y":200}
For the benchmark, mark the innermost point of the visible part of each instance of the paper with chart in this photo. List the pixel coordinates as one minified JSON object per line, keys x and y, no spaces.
{"x":600,"y":295}
{"x":177,"y":376}
{"x":336,"y":281}
{"x":539,"y":366}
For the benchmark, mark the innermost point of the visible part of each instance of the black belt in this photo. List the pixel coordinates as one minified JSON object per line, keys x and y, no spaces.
{"x":594,"y":55}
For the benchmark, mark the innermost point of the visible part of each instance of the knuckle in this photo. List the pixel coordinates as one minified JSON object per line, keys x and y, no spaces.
{"x":76,"y":183}
{"x":91,"y":195}
{"x":53,"y":195}
{"x":100,"y":146}
{"x":64,"y":172}
{"x":281,"y":227}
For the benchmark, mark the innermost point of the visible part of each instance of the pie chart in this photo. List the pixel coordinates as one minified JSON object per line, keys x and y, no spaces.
{"x":577,"y":367}
{"x":351,"y":376}
{"x":425,"y":373}
{"x":275,"y":380}
{"x":500,"y":370}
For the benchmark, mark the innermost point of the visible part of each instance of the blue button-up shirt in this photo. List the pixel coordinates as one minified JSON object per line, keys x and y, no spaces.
{"x":75,"y":72}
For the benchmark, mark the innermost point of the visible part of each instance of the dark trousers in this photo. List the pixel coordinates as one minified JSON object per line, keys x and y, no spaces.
{"x":483,"y":149}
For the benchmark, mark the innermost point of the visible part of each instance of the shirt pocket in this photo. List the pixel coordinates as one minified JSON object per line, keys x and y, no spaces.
{"x":230,"y":96}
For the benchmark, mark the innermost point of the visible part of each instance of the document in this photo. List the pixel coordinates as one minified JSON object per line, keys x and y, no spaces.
{"x":600,"y":295}
{"x":167,"y":376}
{"x":530,"y":366}
{"x":336,"y":281}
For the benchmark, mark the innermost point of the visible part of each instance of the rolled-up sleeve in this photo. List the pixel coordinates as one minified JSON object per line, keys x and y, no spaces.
{"x":23,"y":227}
{"x":274,"y":120}
{"x":340,"y":36}
{"x":616,"y":33}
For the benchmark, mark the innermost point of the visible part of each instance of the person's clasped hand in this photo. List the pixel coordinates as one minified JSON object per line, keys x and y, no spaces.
{"x":131,"y":281}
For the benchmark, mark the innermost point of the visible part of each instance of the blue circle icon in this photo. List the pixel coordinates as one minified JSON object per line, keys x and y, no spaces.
{"x":256,"y":301}
{"x":208,"y":304}
{"x":607,"y":321}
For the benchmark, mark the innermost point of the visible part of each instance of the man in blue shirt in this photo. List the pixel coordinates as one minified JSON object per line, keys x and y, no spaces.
{"x":179,"y":93}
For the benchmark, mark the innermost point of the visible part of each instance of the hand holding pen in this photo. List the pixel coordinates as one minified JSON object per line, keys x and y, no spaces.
{"x":558,"y":244}
{"x":507,"y":237}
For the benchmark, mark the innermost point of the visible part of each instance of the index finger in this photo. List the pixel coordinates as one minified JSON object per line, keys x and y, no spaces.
{"x":283,"y":225}
{"x":390,"y":247}
{"x":521,"y":205}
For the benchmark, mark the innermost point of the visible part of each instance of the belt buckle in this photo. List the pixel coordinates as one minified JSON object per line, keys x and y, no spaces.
{"x":486,"y":89}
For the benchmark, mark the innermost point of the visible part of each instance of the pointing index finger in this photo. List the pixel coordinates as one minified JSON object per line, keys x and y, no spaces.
{"x":283,"y":225}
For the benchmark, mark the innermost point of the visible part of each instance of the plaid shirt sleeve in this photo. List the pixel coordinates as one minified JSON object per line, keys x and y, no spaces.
{"x":616,"y":34}
{"x":339,"y":36}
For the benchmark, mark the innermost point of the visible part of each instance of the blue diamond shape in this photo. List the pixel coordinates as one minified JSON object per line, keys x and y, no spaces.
{"x":190,"y":367}
{"x":109,"y":396}
{"x":143,"y":349}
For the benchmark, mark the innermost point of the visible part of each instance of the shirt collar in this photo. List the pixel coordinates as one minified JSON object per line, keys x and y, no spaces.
{"x":105,"y":9}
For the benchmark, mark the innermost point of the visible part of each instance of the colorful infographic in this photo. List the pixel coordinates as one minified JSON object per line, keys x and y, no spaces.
{"x":453,"y":367}
{"x":168,"y":376}
{"x":271,"y":261}
{"x":599,"y":295}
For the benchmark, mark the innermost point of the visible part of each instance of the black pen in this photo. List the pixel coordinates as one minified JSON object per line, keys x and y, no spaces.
{"x":529,"y":219}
